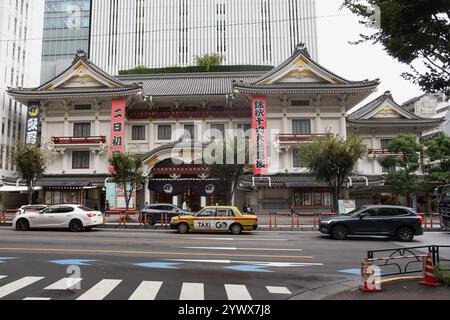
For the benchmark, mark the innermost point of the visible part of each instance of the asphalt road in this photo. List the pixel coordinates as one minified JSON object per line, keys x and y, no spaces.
{"x":163,"y":265}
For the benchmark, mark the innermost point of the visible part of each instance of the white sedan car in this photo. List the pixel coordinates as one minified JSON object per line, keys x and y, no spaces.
{"x":76,"y":218}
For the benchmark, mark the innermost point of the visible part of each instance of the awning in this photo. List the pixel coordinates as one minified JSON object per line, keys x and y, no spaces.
{"x":170,"y":187}
{"x":17,"y":189}
{"x":72,"y":181}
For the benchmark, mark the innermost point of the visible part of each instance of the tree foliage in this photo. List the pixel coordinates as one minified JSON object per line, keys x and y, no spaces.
{"x":438,"y":152}
{"x":404,"y":180}
{"x":332,"y":159}
{"x":232,"y":164}
{"x":31,"y":163}
{"x":411,"y":31}
{"x":127,"y":172}
{"x":209,"y":60}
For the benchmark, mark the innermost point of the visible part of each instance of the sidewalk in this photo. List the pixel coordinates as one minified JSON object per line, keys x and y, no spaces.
{"x":398,"y":290}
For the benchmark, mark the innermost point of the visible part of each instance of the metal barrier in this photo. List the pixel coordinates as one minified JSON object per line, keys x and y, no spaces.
{"x":7,"y":215}
{"x":278,"y":220}
{"x":410,"y":256}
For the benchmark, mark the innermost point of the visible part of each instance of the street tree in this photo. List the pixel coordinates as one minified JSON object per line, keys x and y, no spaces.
{"x":403,"y":178}
{"x":332,"y":159}
{"x":231,"y":160}
{"x":438,"y":152}
{"x":31,"y":162}
{"x":413,"y":32}
{"x":209,"y":60}
{"x":127,"y":172}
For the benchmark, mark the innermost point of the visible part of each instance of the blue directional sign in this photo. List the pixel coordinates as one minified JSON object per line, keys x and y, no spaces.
{"x":351,"y":271}
{"x":3,"y":259}
{"x":248,"y":268}
{"x":73,"y":262}
{"x":158,"y":265}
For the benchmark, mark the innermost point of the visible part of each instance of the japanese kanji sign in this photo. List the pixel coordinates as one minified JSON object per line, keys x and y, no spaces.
{"x":259,"y":110}
{"x":117,"y":143}
{"x":33,"y":125}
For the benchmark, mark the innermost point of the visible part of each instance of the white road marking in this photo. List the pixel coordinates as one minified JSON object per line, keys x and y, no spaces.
{"x":240,"y":239}
{"x":1,"y":277}
{"x":247,"y":249}
{"x":192,"y":291}
{"x":147,"y":290}
{"x":64,"y":284}
{"x":37,"y":299}
{"x":278,"y":290}
{"x":17,"y":285}
{"x":259,"y":263}
{"x":100,"y":290}
{"x":237,"y":292}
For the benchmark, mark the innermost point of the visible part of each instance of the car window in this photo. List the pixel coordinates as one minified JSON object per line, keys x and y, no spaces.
{"x":83,"y":208}
{"x":224,"y":213}
{"x":207,"y":213}
{"x":62,"y":210}
{"x":391,"y":212}
{"x":372,"y":212}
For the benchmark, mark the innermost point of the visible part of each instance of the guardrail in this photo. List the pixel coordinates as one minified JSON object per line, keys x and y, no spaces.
{"x":392,"y":259}
{"x":142,"y":218}
{"x":295,"y":221}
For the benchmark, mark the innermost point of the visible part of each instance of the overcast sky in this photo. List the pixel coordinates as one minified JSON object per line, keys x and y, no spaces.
{"x":358,"y":62}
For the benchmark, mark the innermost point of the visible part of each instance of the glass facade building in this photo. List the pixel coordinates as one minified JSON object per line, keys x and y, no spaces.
{"x":66,"y":30}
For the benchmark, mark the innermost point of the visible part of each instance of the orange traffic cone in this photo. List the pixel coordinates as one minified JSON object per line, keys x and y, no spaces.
{"x":368,"y":277}
{"x":429,"y":276}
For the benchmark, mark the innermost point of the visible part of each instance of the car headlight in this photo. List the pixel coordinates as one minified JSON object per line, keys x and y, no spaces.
{"x":327,"y":222}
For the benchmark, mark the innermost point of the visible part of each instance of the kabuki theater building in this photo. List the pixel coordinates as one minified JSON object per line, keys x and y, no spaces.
{"x":85,"y":114}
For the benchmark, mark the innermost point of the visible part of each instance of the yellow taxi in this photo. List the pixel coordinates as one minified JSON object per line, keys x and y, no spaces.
{"x":215,"y":219}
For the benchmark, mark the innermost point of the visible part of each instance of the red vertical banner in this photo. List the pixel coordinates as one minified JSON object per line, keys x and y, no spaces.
{"x":117,"y":142}
{"x":259,"y":125}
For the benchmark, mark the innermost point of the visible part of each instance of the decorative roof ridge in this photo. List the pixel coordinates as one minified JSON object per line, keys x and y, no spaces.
{"x":191,"y":75}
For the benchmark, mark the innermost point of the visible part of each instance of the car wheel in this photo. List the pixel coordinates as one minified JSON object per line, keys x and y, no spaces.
{"x":183,"y":228}
{"x":22,"y":225}
{"x":236,"y":229}
{"x":339,"y":232}
{"x":75,"y":226}
{"x":405,"y":234}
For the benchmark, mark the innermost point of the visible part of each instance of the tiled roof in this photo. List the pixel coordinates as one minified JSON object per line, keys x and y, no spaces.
{"x":183,"y":84}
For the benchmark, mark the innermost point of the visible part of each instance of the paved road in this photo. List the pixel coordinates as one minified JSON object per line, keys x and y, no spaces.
{"x":162,"y":265}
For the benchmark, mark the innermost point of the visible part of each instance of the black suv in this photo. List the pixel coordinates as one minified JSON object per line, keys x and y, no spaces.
{"x":394,"y":221}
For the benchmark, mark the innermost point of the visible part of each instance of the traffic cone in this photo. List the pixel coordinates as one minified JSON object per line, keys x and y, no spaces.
{"x":429,"y":276}
{"x":369,"y":281}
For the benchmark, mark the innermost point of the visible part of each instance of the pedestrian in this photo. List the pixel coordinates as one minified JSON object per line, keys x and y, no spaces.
{"x":250,"y":209}
{"x":245,"y":208}
{"x":185,"y":206}
{"x":107,"y":208}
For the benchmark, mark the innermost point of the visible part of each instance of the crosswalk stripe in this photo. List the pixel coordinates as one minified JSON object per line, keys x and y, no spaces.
{"x":192,"y":291}
{"x":100,"y":290}
{"x":147,"y":290}
{"x":64,"y":284}
{"x":237,"y":292}
{"x":17,"y":285}
{"x":278,"y":290}
{"x":37,"y":299}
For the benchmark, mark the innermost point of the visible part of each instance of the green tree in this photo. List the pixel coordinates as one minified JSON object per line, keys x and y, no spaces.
{"x":126,"y":170}
{"x":413,"y":32}
{"x":230,"y":161}
{"x":404,"y":180}
{"x":31,"y":163}
{"x":332,"y":159}
{"x":438,"y":152}
{"x":209,"y":60}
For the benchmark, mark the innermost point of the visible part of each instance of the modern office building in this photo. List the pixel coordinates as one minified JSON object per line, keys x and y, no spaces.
{"x":163,"y":33}
{"x":66,"y":30}
{"x":20,"y":50}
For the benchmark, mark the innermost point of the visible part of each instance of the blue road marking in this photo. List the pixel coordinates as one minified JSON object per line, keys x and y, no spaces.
{"x":351,"y":271}
{"x":158,"y":265}
{"x":73,"y":262}
{"x":248,"y":268}
{"x":6,"y":258}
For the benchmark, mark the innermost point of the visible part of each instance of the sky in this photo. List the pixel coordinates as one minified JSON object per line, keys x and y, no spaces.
{"x":358,"y":62}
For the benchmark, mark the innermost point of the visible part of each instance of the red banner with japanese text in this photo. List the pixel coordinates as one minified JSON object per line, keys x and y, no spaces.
{"x":259,"y":126}
{"x":117,"y":143}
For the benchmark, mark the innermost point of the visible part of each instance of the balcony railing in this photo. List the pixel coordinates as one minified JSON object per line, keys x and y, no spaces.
{"x":186,"y":114}
{"x":382,"y":153}
{"x":82,"y":140}
{"x":180,"y":170}
{"x":296,"y":138}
